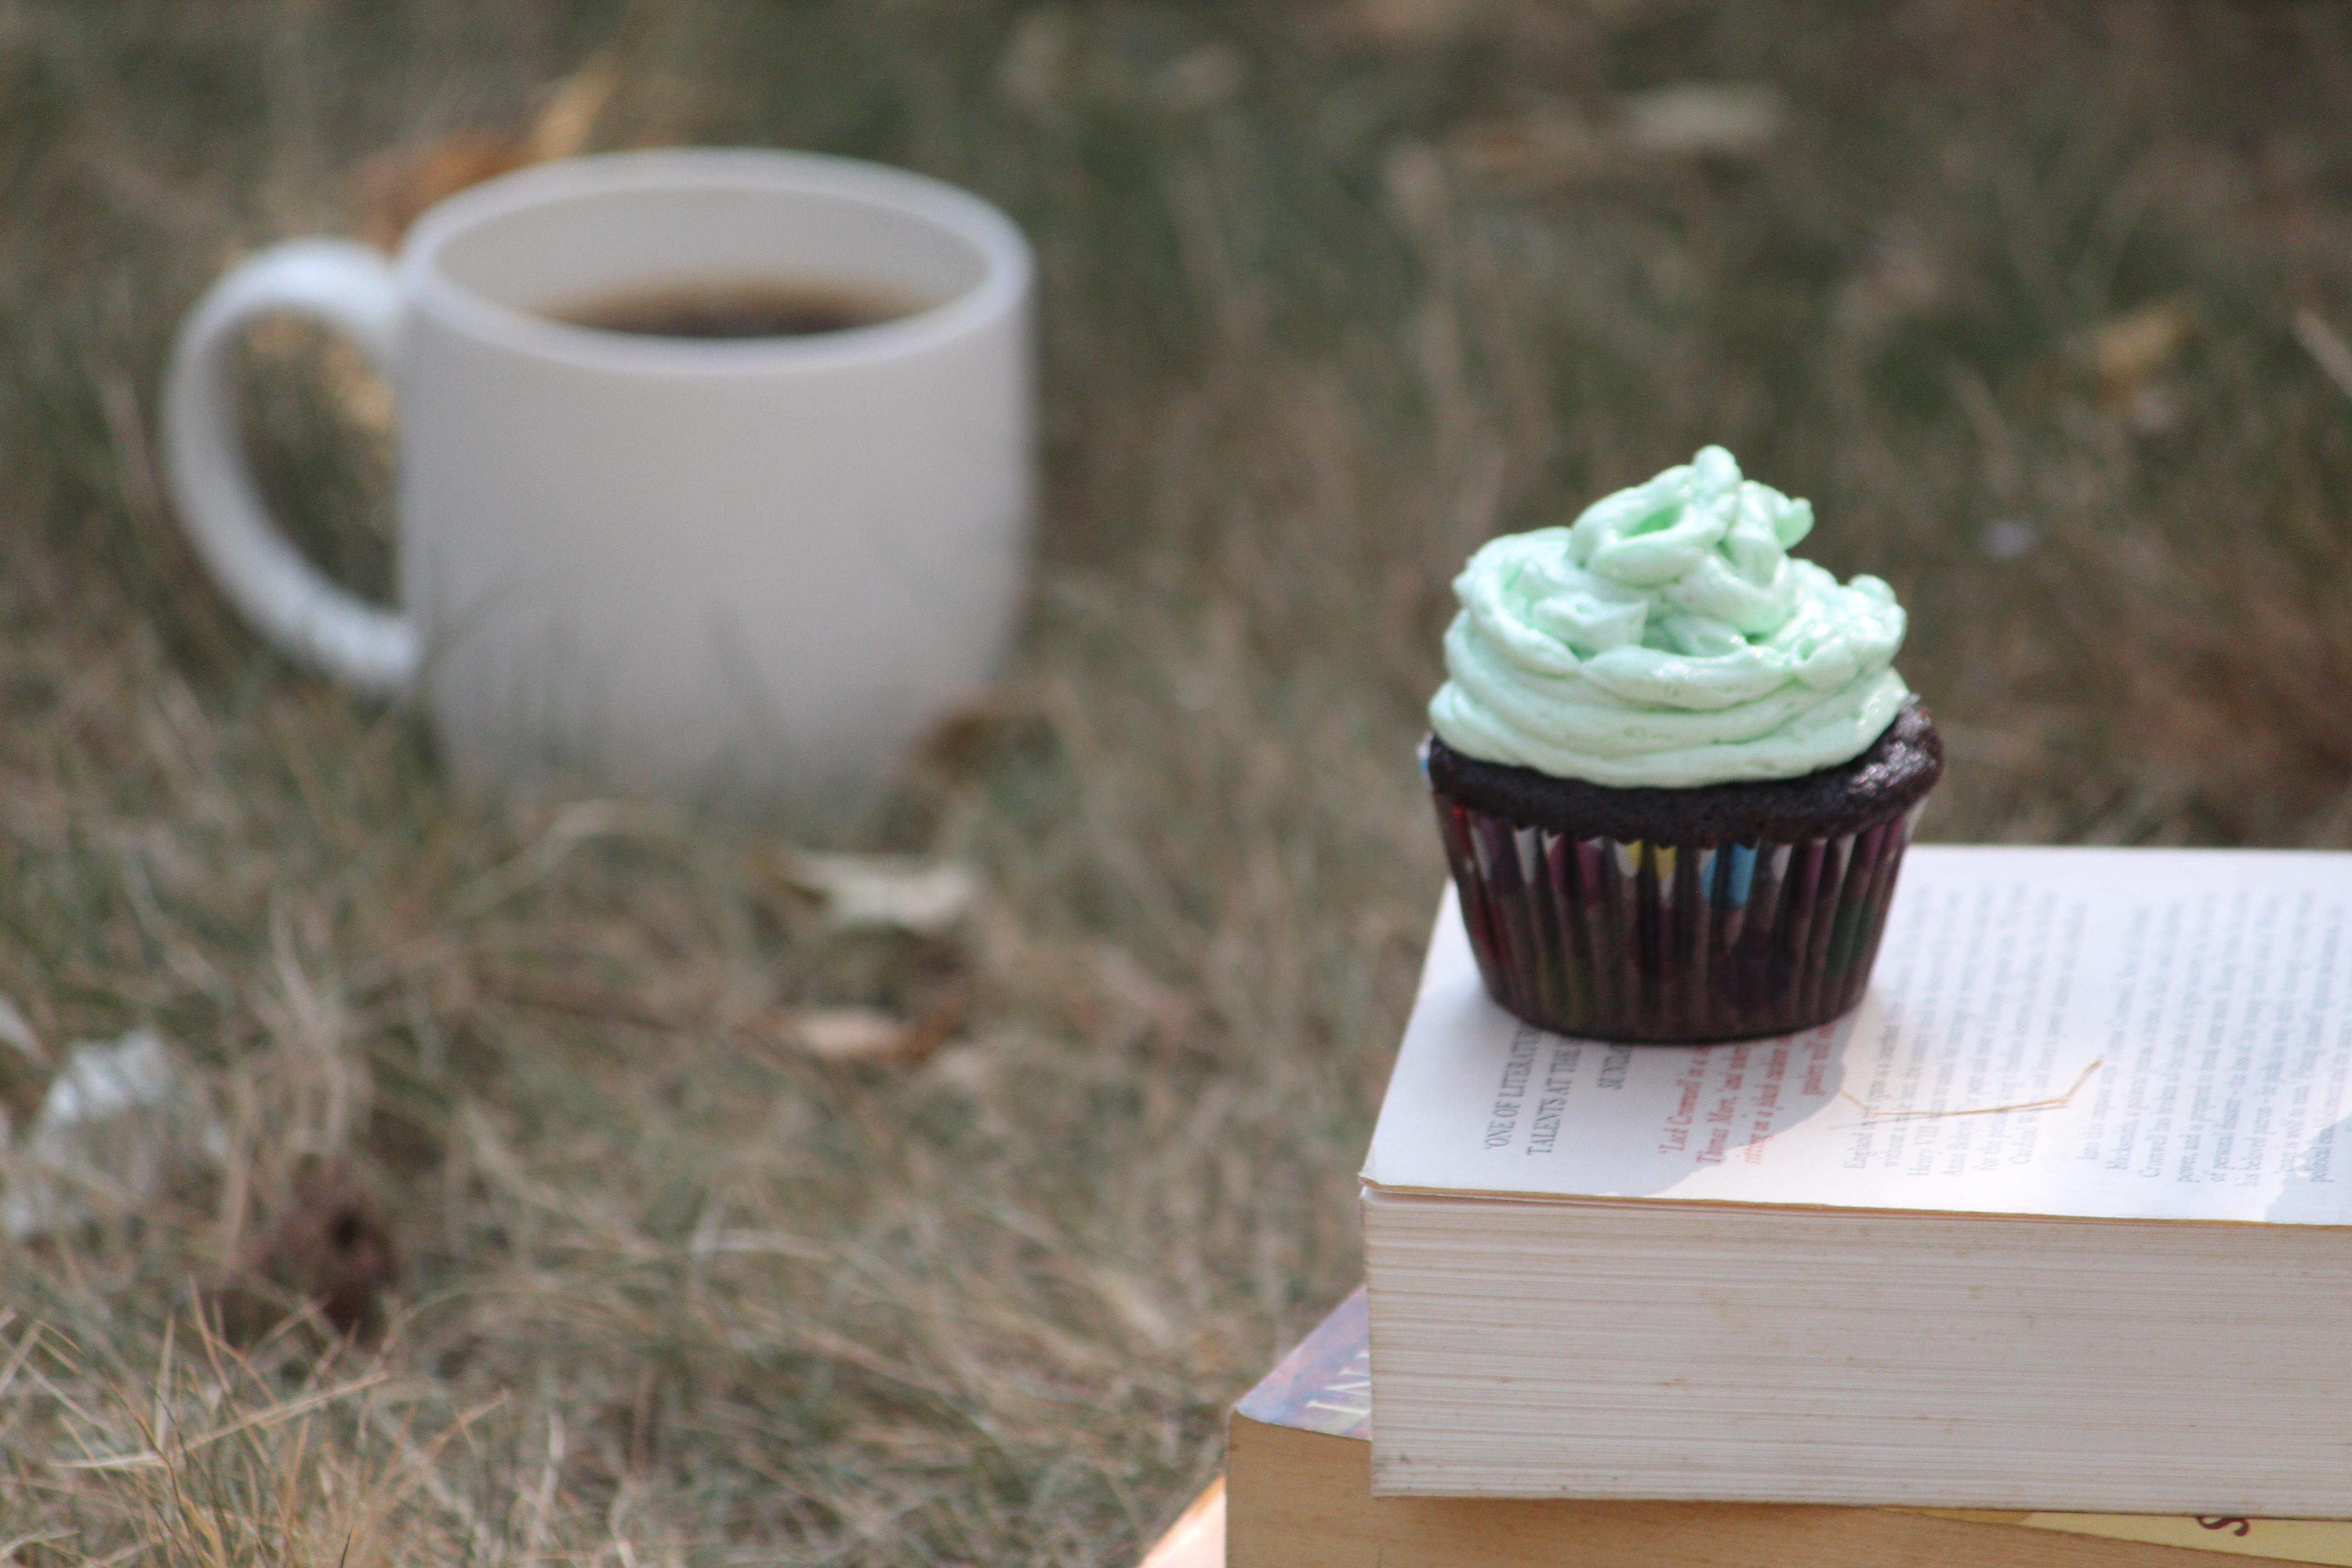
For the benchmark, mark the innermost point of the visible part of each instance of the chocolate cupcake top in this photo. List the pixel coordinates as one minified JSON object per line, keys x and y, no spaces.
{"x":1891,"y":776}
{"x":1667,"y":638}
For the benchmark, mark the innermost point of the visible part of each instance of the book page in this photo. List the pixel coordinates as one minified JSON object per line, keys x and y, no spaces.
{"x":2103,"y":1033}
{"x":1324,"y":1385}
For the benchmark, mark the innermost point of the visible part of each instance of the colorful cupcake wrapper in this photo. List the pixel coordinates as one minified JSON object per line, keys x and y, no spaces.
{"x":1640,"y":941}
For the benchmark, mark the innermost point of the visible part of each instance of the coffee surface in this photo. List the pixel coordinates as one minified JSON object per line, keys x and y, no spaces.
{"x":741,"y":308}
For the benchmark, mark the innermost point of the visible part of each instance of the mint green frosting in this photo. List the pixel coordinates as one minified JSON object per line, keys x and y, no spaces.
{"x":1666,"y":638}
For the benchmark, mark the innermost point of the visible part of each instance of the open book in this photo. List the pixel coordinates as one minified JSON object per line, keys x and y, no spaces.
{"x":2052,"y":1221}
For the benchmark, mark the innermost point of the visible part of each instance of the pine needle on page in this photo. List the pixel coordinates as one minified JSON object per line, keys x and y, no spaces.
{"x":2053,"y":1103}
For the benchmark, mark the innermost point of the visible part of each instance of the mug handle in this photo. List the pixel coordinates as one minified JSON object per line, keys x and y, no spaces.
{"x":345,"y":286}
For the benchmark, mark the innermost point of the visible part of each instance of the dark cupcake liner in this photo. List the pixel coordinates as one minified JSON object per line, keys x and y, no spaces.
{"x":1661,"y":944}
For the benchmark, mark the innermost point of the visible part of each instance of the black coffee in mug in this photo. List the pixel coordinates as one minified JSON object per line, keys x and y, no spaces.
{"x":740,"y":308}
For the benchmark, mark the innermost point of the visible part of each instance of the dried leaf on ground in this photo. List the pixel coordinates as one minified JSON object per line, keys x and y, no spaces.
{"x":328,"y":1247}
{"x":2126,"y":364}
{"x":928,"y":897}
{"x":2125,"y":353}
{"x":870,"y":1037}
{"x":566,"y":126}
{"x":1697,"y":119}
{"x":393,"y":189}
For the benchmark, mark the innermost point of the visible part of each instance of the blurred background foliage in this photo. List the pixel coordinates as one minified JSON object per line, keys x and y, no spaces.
{"x":2044,"y":307}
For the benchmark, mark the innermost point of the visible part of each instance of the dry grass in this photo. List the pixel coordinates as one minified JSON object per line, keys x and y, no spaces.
{"x":1333,"y":292}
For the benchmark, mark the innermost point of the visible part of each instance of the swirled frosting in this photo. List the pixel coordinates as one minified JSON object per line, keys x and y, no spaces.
{"x":1666,"y":638}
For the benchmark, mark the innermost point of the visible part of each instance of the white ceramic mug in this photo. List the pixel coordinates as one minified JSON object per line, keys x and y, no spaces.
{"x":740,"y":572}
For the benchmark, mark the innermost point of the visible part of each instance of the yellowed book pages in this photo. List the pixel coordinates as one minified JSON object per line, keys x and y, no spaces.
{"x":1297,"y":1495}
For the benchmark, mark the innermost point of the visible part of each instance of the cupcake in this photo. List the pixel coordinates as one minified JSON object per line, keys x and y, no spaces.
{"x":1673,"y":768}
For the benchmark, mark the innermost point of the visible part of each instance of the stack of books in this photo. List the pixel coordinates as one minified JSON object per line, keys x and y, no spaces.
{"x":2041,"y":1257}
